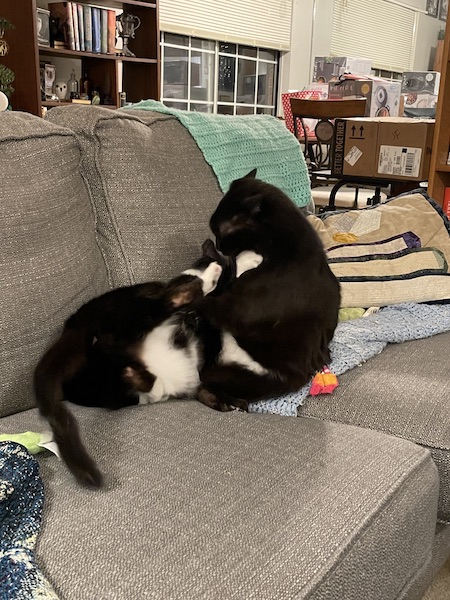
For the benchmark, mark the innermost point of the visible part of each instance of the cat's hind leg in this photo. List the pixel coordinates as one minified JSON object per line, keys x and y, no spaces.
{"x":225,"y":387}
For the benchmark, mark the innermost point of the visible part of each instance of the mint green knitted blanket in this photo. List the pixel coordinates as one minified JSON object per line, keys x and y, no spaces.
{"x":233,"y":146}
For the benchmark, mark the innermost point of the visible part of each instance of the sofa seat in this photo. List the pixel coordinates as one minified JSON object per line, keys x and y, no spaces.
{"x":201,"y":504}
{"x":403,"y":391}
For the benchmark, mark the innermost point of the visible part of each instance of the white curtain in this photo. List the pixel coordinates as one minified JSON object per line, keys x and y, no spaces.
{"x":375,"y":29}
{"x":262,"y":23}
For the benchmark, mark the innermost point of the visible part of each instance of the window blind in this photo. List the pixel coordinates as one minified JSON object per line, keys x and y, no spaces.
{"x":381,"y":31}
{"x":250,"y":22}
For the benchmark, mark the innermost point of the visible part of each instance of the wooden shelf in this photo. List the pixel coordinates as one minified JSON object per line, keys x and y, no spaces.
{"x":54,"y":103}
{"x":443,"y":168}
{"x":137,"y":59}
{"x":65,"y":52}
{"x":140,"y":75}
{"x":439,"y":176}
{"x":119,"y":3}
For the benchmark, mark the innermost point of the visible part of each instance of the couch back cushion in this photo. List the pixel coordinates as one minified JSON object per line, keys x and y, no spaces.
{"x":152,"y":190}
{"x":49,"y":261}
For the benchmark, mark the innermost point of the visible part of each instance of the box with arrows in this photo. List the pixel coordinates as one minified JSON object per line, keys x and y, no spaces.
{"x":393,"y":147}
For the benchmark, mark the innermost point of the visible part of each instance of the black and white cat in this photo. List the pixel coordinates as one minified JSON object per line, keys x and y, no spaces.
{"x":135,"y":344}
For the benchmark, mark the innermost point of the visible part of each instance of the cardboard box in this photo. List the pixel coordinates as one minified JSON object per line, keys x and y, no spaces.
{"x":330,"y":68}
{"x":421,"y":82}
{"x":414,"y":100}
{"x":395,"y":148}
{"x":383,"y":96}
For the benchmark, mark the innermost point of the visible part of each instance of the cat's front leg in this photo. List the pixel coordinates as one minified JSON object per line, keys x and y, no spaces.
{"x":210,"y":276}
{"x":246,"y":261}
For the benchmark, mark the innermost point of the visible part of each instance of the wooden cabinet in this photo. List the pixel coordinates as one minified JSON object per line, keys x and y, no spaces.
{"x":137,"y":76}
{"x":439,"y":177}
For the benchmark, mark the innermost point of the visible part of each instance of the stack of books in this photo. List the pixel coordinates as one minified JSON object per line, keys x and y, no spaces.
{"x":84,"y":27}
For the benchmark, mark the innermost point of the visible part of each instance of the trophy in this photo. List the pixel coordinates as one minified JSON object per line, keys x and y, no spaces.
{"x":126,"y":26}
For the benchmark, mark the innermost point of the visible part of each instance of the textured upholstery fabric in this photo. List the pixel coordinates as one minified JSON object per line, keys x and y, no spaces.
{"x":49,"y":260}
{"x":425,"y":576}
{"x":151,"y":187}
{"x":200,"y":504}
{"x":395,"y":279}
{"x":402,"y":391}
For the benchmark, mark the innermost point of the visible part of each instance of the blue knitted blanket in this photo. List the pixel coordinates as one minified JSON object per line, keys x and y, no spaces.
{"x":358,"y":340}
{"x":233,"y":146}
{"x":21,"y":500}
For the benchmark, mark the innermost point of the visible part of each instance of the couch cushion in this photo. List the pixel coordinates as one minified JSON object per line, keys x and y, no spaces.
{"x":413,"y":274}
{"x":49,"y":261}
{"x":152,"y":189}
{"x":404,"y":392}
{"x":201,"y":504}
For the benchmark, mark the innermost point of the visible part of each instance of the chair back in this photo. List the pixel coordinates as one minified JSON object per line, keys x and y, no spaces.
{"x":317,"y":147}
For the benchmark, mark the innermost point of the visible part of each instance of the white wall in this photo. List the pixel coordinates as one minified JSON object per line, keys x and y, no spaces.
{"x":428,"y":29}
{"x":311,"y":36}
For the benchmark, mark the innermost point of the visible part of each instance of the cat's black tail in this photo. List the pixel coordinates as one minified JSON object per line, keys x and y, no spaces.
{"x":58,"y":365}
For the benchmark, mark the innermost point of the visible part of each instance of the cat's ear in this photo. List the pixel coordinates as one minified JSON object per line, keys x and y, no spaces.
{"x":183,"y":290}
{"x":209,"y":250}
{"x":251,"y":175}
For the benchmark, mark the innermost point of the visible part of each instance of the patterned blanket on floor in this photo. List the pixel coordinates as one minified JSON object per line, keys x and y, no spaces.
{"x":21,"y":501}
{"x":358,"y":340}
{"x":234,"y":146}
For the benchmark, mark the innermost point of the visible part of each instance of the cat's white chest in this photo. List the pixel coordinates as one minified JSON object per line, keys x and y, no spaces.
{"x":175,"y":369}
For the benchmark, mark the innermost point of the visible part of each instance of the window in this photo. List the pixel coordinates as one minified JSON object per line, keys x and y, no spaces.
{"x":219,"y":77}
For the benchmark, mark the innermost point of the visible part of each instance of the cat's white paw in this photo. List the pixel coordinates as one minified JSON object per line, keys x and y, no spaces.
{"x":156,"y":394}
{"x":144,"y":399}
{"x":210,"y":277}
{"x":247,"y":260}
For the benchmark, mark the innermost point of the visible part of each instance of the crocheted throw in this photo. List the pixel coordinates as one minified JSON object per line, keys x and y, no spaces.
{"x":358,"y":340}
{"x":233,"y":146}
{"x":21,"y":500}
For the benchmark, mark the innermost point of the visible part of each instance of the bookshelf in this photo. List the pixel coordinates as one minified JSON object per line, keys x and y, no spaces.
{"x":138,"y":77}
{"x":439,"y":176}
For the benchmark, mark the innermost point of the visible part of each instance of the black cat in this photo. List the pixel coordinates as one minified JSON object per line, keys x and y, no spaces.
{"x":276,"y":321}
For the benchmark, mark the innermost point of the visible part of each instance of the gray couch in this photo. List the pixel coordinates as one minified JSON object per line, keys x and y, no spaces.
{"x":348,"y":502}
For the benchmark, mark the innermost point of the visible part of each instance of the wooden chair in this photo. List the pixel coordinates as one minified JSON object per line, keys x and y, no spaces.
{"x":318,"y":146}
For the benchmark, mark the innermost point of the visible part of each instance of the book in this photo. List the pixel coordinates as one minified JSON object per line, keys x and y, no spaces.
{"x":446,"y":204}
{"x":96,"y":30}
{"x":87,"y":28}
{"x":76,"y":33}
{"x":104,"y":30}
{"x":81,"y":26}
{"x":62,"y":11}
{"x":111,"y":31}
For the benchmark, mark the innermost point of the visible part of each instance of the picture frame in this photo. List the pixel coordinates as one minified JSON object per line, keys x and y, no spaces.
{"x":43,"y":26}
{"x":433,"y":8}
{"x":443,"y":10}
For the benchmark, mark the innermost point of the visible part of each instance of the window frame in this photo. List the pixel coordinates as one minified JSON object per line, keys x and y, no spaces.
{"x":215,"y":103}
